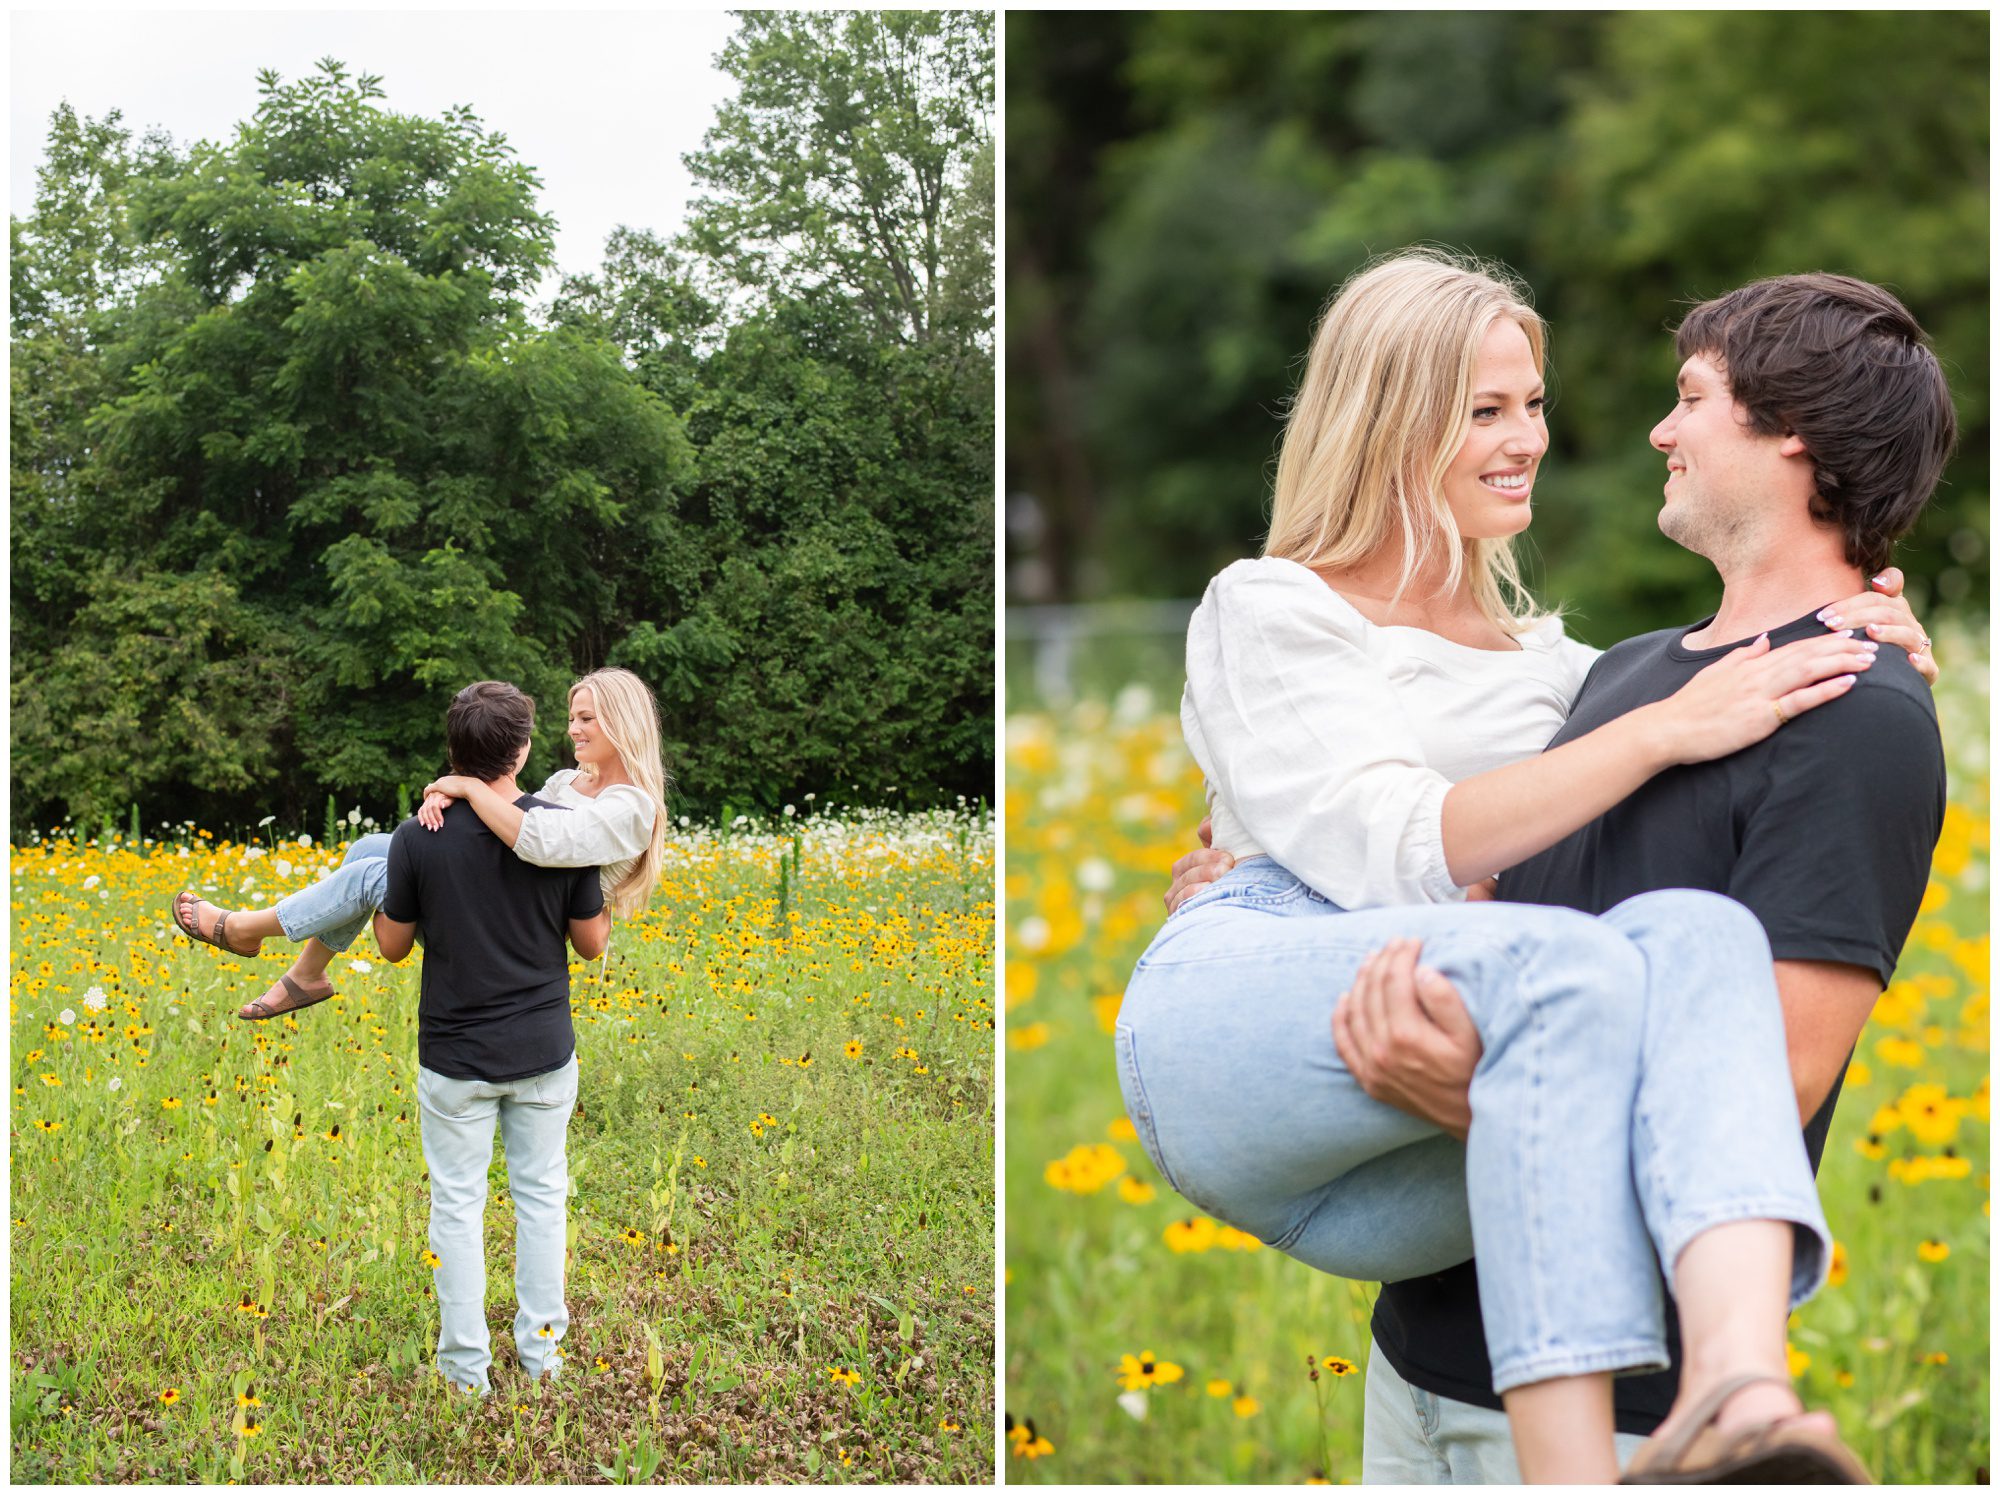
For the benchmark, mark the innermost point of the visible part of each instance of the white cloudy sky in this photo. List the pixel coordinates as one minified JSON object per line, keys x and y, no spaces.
{"x":602,"y":104}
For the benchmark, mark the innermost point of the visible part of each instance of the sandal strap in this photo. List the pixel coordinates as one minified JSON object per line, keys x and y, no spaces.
{"x":1669,"y":1452}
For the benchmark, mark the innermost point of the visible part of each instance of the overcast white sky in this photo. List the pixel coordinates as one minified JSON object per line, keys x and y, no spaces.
{"x":601,"y":104}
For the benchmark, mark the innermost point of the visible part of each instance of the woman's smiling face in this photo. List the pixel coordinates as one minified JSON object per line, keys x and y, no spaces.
{"x":593,"y":748}
{"x":1488,"y":484}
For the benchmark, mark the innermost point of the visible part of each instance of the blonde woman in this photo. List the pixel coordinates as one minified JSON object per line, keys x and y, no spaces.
{"x":608,"y":812}
{"x":1369,"y":703}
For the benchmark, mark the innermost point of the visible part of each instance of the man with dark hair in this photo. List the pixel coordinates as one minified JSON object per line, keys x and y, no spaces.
{"x":1812,"y":424}
{"x":494,"y":1041}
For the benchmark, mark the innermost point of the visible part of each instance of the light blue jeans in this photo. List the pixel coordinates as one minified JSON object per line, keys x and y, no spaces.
{"x":458,"y":1120}
{"x":1634,"y":1091}
{"x":1414,"y":1437}
{"x":339,"y":905}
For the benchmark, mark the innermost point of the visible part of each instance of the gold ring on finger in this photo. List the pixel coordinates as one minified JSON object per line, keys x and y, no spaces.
{"x":1779,"y":712}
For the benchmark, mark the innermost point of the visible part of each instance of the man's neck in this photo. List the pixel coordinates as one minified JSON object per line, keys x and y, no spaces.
{"x":506,"y":788}
{"x":1772,"y":592}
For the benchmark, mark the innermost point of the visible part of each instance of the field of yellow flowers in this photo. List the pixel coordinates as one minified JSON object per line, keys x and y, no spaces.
{"x":781,"y":1263}
{"x":1148,"y":1344}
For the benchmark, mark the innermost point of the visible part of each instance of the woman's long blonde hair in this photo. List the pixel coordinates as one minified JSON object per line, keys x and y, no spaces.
{"x":1379,"y":417}
{"x":630,"y":720}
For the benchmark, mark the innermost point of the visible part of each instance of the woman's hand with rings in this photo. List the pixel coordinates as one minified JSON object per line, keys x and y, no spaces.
{"x":1885,"y":617}
{"x":437,"y":794}
{"x":1750,"y":692}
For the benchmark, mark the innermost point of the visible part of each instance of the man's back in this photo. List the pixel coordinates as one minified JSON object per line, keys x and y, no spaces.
{"x":495,"y":984}
{"x":1824,"y":831}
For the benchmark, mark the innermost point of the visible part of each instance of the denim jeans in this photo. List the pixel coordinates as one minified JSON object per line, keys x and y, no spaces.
{"x":1415,"y":1437}
{"x":458,"y":1119}
{"x":1633,"y":1092}
{"x":339,"y":905}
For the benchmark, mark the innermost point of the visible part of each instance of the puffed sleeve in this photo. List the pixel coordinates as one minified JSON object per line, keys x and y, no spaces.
{"x":1302,"y":735}
{"x":616,"y":825}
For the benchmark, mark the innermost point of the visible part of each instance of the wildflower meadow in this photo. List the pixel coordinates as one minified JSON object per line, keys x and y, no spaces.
{"x":1145,"y":1343}
{"x":780,"y":1261}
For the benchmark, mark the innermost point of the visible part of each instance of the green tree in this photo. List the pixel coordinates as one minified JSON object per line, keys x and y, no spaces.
{"x":330,"y":404}
{"x":837,"y":164}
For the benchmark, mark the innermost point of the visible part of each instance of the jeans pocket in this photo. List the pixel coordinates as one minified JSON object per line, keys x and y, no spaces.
{"x":1137,"y":1106}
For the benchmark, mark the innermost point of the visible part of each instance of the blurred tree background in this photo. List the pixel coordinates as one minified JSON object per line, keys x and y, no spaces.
{"x":292,"y":459}
{"x":1187,"y":188}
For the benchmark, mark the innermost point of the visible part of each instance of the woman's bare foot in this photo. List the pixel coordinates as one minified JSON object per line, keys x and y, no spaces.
{"x":201,"y":920}
{"x":287,"y":994}
{"x":1757,"y":1405}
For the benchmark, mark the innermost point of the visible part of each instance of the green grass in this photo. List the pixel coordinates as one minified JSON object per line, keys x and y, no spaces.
{"x":791,"y":1209}
{"x":1100,"y":802}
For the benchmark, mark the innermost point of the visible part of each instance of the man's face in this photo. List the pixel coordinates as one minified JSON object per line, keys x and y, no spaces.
{"x":1726,"y":484}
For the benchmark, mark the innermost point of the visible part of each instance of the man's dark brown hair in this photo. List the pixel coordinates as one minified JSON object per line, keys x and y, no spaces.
{"x":1844,"y":366}
{"x":485,"y":727}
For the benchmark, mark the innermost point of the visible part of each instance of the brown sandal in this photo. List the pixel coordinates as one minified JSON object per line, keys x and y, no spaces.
{"x":1774,"y":1453}
{"x":263,"y":1009}
{"x":188,"y":921}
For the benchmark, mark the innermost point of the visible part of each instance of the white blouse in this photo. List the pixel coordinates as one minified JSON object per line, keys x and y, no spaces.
{"x":1328,"y":742}
{"x":609,"y":830}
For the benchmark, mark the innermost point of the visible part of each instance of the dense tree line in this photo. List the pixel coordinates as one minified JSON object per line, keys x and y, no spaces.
{"x":293,"y":459}
{"x":1186,"y":189}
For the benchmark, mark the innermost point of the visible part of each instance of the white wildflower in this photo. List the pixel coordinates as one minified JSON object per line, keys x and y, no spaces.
{"x":306,"y":841}
{"x":67,"y":1015}
{"x":92,"y":881}
{"x":116,"y":1083}
{"x":360,"y":967}
{"x":265,"y":821}
{"x":282,"y":867}
{"x":354,"y":816}
{"x":94,"y":999}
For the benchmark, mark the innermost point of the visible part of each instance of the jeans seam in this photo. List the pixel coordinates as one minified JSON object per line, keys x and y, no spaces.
{"x":1127,"y":1044}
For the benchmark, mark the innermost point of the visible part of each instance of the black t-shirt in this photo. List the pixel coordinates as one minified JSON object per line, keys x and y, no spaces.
{"x":1824,"y":830}
{"x":495,"y":1003}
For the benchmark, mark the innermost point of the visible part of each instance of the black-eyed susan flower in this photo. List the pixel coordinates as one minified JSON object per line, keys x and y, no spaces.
{"x":547,"y":1331}
{"x":1836,"y":1272}
{"x":171,"y":1395}
{"x":631,"y":1237}
{"x":1028,"y":1443}
{"x":1932,"y":1251}
{"x":947,"y":1426}
{"x":1144,"y":1371}
{"x":843,"y":1375}
{"x":171,"y":1103}
{"x":48,"y":1126}
{"x":427,"y":1256}
{"x":1246,"y":1406}
{"x":852,"y":1048}
{"x":1796,"y":1360}
{"x":250,"y":1429}
{"x":1337,"y":1366}
{"x":248,"y":1398}
{"x":600,"y":1363}
{"x":1219,"y":1388}
{"x":1188,"y":1236}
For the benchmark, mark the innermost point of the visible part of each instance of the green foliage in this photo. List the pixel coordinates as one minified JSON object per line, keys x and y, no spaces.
{"x":278,"y":400}
{"x":1187,"y":188}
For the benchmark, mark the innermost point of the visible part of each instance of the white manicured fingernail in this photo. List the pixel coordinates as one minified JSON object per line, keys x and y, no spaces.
{"x":1834,"y":621}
